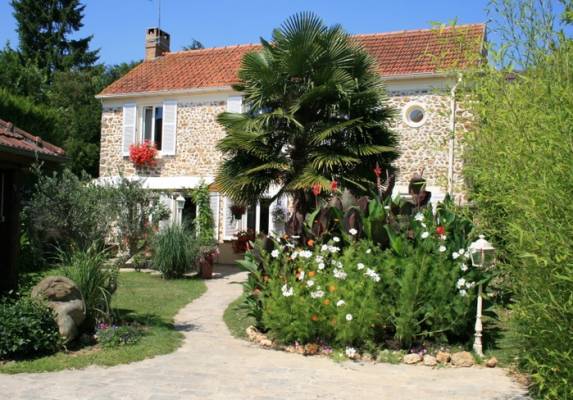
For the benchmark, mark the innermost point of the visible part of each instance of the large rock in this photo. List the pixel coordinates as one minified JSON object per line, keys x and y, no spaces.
{"x":430,"y":361}
{"x":443,"y":357}
{"x":462,"y":359}
{"x":413,"y":358}
{"x":64,"y":297}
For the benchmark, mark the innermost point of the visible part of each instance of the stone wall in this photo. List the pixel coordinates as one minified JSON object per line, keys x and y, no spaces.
{"x":425,"y":147}
{"x":197,"y":135}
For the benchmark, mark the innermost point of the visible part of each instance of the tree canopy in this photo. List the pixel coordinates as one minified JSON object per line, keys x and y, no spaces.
{"x":315,"y":111}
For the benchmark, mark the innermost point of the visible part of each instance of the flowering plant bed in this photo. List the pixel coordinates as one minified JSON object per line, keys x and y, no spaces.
{"x":143,"y":155}
{"x":403,"y":279}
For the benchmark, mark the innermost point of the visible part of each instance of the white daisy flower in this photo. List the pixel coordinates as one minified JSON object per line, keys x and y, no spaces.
{"x":340,"y":303}
{"x":294,"y":255}
{"x":455,"y":255}
{"x":368,"y":251}
{"x":372,"y":275}
{"x":461,"y":251}
{"x":317,"y":294}
{"x":419,"y":217}
{"x":353,"y":231}
{"x":333,"y":249}
{"x":425,"y":235}
{"x":460,"y":283}
{"x":336,"y":239}
{"x":463,"y":267}
{"x":470,"y":285}
{"x":275,"y":253}
{"x":349,"y":317}
{"x":287,"y":291}
{"x":463,"y":293}
{"x":360,"y":266}
{"x":321,"y":266}
{"x":442,"y":248}
{"x":337,"y":263}
{"x":319,"y":259}
{"x":324,"y":247}
{"x":310,"y":283}
{"x":306,"y":254}
{"x":340,"y":274}
{"x":350,"y":352}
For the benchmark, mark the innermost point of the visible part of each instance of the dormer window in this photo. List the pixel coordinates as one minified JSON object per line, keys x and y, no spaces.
{"x":152,"y":125}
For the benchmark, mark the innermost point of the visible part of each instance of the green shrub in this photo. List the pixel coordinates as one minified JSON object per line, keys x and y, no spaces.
{"x":175,"y":251}
{"x":27,"y":328}
{"x":96,"y":281}
{"x":114,"y":336}
{"x":519,"y":163}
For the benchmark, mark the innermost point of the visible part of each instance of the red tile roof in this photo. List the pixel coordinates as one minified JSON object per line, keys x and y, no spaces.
{"x":13,"y":139}
{"x":396,"y":53}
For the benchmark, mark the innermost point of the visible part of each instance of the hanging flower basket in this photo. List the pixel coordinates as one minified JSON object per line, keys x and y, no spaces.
{"x":143,"y":154}
{"x":238,"y":210}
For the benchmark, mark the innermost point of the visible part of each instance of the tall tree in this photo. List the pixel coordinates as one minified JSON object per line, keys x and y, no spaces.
{"x":195,"y":45}
{"x":44,"y":29}
{"x":317,"y":112}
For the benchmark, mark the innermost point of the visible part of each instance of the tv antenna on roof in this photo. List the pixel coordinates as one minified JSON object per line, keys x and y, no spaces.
{"x":158,"y":13}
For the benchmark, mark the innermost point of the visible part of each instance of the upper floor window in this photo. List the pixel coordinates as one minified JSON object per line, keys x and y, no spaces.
{"x":415,"y":114}
{"x":152,"y":125}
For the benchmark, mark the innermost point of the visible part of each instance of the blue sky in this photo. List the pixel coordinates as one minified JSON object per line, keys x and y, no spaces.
{"x":118,"y":26}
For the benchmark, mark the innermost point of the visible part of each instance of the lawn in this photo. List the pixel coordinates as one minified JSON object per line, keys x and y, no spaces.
{"x":140,"y":297}
{"x":237,"y":319}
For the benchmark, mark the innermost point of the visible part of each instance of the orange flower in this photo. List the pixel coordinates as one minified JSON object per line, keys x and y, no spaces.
{"x":326,"y":302}
{"x":314,"y":317}
{"x":331,"y":288}
{"x":311,"y":274}
{"x":310,"y":242}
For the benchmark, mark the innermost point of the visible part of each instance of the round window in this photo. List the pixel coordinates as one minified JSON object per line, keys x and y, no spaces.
{"x":415,"y":115}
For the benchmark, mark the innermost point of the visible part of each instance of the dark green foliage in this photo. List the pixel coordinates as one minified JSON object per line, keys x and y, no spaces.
{"x":316,"y":112}
{"x":27,"y":329}
{"x":175,"y":251}
{"x":44,"y":30}
{"x":115,"y":336}
{"x":96,"y":281}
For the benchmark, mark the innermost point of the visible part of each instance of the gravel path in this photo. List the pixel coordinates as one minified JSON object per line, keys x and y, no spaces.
{"x":212,"y":364}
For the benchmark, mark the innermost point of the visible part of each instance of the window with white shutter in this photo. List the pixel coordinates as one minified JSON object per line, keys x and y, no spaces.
{"x":129,"y":123}
{"x":169,"y":139}
{"x":214,"y":204}
{"x":235,"y":104}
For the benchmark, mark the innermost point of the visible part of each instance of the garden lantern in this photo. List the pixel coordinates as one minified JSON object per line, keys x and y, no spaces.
{"x":180,"y":201}
{"x":482,"y":254}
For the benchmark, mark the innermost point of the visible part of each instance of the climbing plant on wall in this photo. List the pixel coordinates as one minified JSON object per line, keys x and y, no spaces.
{"x":204,"y":223}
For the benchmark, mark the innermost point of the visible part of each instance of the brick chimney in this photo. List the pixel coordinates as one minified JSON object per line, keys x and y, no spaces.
{"x":156,"y":43}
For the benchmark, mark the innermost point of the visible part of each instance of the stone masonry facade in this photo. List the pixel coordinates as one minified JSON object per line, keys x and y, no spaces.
{"x":423,"y":148}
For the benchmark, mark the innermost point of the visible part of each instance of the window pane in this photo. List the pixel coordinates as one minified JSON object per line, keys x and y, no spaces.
{"x":158,"y":127}
{"x":264,"y":222}
{"x":147,"y":123}
{"x":416,"y":115}
{"x":252,"y":217}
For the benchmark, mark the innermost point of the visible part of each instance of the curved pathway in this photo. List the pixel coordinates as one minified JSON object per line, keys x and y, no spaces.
{"x":212,"y":364}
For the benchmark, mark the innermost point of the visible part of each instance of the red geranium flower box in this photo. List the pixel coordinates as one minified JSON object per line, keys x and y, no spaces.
{"x":143,"y":154}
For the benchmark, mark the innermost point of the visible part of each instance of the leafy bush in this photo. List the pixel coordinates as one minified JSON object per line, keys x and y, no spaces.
{"x":114,"y":336}
{"x":204,"y":223}
{"x":27,"y":328}
{"x":96,"y":281}
{"x":350,"y":291}
{"x":175,"y":251}
{"x":519,"y":163}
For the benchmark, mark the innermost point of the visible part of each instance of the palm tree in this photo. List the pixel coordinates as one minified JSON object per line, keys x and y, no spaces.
{"x":316,"y":112}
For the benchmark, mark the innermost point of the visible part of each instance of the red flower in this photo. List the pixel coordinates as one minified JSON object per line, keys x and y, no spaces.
{"x":143,"y":154}
{"x":333,"y":185}
{"x":316,"y":188}
{"x":377,"y":171}
{"x":440,"y":230}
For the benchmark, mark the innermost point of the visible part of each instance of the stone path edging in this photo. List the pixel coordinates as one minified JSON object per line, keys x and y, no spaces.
{"x":211,"y":364}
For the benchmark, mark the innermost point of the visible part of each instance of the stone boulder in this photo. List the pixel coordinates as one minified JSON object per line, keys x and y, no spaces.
{"x":413,"y":358}
{"x":462,"y":359}
{"x":430,"y":361}
{"x":64,"y":297}
{"x":443,"y":357}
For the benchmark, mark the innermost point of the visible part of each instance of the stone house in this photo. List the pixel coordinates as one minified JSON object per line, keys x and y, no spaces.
{"x":173,"y":98}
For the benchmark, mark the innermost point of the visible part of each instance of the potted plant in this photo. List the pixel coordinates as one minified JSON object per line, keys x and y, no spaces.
{"x":143,"y":154}
{"x":238,"y":210}
{"x":241,"y":244}
{"x":207,"y":254}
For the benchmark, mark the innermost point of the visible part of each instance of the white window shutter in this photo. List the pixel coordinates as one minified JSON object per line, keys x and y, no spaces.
{"x":235,"y":104}
{"x":128,"y":134}
{"x":169,"y":140}
{"x":230,"y":225}
{"x":214,"y":204}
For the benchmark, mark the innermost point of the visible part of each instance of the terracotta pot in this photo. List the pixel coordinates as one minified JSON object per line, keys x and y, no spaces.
{"x":206,"y":265}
